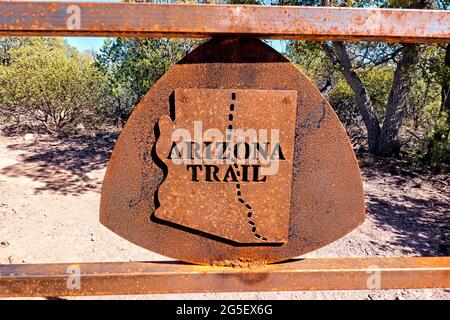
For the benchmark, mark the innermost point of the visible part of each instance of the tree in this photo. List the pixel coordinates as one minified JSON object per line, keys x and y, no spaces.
{"x":9,"y":43}
{"x":132,"y":66}
{"x":438,"y":147}
{"x":383,"y":139}
{"x":383,"y":132}
{"x":52,"y":83}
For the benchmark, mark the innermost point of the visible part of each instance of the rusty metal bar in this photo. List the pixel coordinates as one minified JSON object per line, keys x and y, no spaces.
{"x":176,"y":277}
{"x":190,"y":20}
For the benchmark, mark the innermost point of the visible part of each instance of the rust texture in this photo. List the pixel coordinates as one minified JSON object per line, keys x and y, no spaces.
{"x":324,"y":193}
{"x":172,"y":277}
{"x":187,"y":20}
{"x":225,"y":192}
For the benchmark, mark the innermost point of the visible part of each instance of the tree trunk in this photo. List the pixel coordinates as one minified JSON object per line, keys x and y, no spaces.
{"x":389,"y":141}
{"x":383,"y":141}
{"x":363,"y":101}
{"x":445,"y":97}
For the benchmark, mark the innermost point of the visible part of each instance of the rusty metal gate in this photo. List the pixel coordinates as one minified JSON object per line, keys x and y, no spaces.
{"x":238,"y":256}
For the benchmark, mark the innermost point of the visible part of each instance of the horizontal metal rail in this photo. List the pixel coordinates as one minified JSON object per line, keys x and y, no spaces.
{"x":191,"y":20}
{"x":176,"y":277}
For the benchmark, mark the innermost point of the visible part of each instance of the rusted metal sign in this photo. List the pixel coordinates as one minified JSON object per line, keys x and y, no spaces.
{"x":229,"y":157}
{"x":233,"y":157}
{"x":34,"y":18}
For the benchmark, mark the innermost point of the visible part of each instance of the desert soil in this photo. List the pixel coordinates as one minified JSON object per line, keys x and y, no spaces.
{"x":49,"y":202}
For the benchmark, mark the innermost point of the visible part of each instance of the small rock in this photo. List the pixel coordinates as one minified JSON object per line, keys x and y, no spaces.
{"x":28,"y":137}
{"x":4,"y":244}
{"x":417,"y":183}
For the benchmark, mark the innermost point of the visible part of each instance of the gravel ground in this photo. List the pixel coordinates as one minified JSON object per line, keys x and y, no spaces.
{"x":50,"y":193}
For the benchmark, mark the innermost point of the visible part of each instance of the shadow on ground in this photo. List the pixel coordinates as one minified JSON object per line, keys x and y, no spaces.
{"x":415,"y":206}
{"x":63,"y":165}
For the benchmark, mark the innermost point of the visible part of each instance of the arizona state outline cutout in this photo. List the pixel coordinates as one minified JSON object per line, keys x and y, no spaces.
{"x":229,"y":158}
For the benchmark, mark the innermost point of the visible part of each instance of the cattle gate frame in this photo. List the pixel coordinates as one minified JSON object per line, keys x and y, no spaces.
{"x":22,"y":18}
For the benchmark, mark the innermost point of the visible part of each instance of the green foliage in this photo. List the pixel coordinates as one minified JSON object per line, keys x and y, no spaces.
{"x":436,"y":68}
{"x":48,"y":81}
{"x":7,"y":44}
{"x":378,"y":81}
{"x":311,"y":59}
{"x":426,"y":126}
{"x":309,"y":56}
{"x":438,"y":152}
{"x":132,"y":66}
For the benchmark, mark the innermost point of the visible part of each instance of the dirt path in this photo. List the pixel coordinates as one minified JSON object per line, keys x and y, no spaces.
{"x":49,"y":200}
